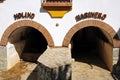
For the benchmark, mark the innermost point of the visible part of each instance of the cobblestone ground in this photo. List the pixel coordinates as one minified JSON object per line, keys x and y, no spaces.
{"x":80,"y":71}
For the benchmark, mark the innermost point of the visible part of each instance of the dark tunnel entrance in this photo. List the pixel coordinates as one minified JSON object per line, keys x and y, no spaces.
{"x":90,"y":45}
{"x":29,"y":43}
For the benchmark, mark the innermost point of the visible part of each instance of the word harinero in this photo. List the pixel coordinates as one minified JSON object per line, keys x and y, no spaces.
{"x":24,"y":15}
{"x":95,"y":15}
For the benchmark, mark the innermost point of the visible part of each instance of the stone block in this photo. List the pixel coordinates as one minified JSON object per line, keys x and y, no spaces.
{"x":55,"y":64}
{"x":55,"y":57}
{"x":59,"y":73}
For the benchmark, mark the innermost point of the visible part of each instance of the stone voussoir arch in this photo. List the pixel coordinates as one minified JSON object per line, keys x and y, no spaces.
{"x":23,"y":23}
{"x":86,"y":23}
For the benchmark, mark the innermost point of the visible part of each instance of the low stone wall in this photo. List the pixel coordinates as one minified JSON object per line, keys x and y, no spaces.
{"x":55,"y":64}
{"x":60,"y":73}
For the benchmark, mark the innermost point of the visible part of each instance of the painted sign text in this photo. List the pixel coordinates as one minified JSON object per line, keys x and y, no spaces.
{"x":23,"y":15}
{"x":95,"y":15}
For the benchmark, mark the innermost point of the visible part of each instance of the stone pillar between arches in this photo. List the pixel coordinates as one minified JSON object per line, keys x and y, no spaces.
{"x":8,"y":57}
{"x":3,"y":58}
{"x":116,"y":67}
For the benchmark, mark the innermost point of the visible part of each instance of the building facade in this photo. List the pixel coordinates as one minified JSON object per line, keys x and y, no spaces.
{"x":31,"y":27}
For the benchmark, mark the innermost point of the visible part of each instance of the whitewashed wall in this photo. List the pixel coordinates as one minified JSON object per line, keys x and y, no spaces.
{"x":10,"y":7}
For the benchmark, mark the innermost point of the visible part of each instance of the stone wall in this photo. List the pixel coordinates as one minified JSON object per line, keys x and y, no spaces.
{"x":55,"y":64}
{"x":60,"y":73}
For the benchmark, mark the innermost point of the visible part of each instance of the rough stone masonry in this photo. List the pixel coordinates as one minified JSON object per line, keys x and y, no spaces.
{"x":55,"y":64}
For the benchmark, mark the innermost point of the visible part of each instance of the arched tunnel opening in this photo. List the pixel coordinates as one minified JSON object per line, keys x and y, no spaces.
{"x":29,"y":43}
{"x":91,"y":45}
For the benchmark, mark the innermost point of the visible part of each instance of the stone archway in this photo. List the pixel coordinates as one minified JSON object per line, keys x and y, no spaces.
{"x":80,"y":25}
{"x":18,"y":24}
{"x":106,"y":29}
